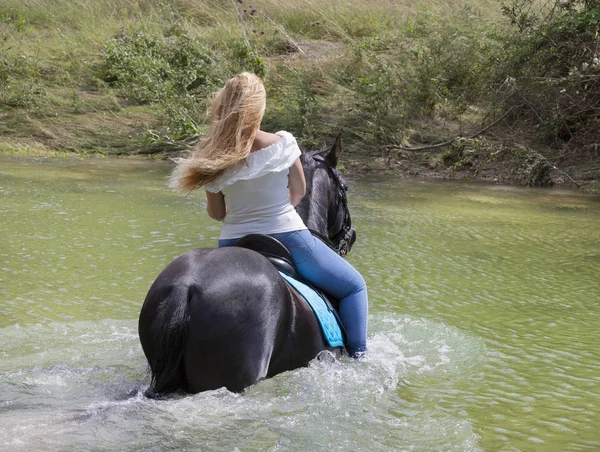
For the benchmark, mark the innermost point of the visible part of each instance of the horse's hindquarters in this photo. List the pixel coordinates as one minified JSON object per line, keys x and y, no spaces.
{"x":235,"y":322}
{"x":218,"y":317}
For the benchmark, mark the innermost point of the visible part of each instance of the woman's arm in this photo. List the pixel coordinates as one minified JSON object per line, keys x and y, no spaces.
{"x":215,"y":204}
{"x":296,"y":183}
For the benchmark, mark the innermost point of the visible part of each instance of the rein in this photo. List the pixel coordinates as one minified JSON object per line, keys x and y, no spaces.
{"x":342,"y":240}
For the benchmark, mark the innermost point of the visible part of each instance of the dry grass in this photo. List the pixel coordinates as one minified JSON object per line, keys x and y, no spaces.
{"x":51,"y":25}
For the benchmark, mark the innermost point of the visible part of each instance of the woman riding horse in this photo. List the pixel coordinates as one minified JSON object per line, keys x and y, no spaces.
{"x":253,"y":180}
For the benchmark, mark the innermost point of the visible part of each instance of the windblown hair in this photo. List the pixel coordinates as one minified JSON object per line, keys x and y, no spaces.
{"x":235,"y":115}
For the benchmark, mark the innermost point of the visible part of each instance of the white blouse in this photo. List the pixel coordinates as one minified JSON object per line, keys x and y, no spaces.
{"x":256,"y":192}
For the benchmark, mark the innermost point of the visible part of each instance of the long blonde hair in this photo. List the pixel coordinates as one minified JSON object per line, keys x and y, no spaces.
{"x":235,"y":115}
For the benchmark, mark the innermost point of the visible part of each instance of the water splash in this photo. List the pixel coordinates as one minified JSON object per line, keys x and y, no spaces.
{"x":85,"y":386}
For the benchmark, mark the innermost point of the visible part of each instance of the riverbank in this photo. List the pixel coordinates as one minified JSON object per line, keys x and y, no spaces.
{"x":490,"y":162}
{"x":468,"y":161}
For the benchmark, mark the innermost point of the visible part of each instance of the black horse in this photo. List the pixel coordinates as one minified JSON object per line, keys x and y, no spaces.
{"x":219,"y":317}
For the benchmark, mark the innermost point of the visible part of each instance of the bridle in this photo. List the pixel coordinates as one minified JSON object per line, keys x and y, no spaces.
{"x":342,"y":240}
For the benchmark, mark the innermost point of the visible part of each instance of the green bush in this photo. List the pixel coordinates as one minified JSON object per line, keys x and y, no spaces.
{"x":551,"y":68}
{"x":245,"y":58}
{"x":294,"y":104}
{"x":146,"y":68}
{"x":453,"y":64}
{"x":382,"y":102}
{"x":14,"y":18}
{"x":20,"y":85}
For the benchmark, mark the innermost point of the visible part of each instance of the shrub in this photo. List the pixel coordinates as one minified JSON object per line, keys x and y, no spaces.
{"x":382,"y":101}
{"x":452,"y":67}
{"x":20,"y":85}
{"x":551,"y":68}
{"x":146,"y":68}
{"x":295,"y":105}
{"x":245,"y":58}
{"x":15,"y":19}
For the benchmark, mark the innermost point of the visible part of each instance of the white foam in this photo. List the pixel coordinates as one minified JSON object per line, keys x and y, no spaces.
{"x":72,"y":396}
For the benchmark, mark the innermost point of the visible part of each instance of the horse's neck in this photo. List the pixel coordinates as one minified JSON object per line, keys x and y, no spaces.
{"x":314,"y":207}
{"x":314,"y":215}
{"x":317,"y":223}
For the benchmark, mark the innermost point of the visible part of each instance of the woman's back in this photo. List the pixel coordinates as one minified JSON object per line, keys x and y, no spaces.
{"x":259,"y":206}
{"x":257,"y":194}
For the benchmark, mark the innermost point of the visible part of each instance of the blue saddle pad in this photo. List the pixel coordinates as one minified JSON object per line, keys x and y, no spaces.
{"x":329,"y":324}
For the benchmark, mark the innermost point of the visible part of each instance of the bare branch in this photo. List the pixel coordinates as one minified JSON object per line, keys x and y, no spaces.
{"x":451,"y":140}
{"x":242,"y":22}
{"x":282,"y":30}
{"x":555,"y":168}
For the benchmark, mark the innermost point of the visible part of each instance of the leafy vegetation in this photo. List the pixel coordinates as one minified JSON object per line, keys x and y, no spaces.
{"x":552,"y":69}
{"x":149,"y":69}
{"x":116,"y":76}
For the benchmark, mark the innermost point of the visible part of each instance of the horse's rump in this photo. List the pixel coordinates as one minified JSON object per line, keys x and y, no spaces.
{"x":211,"y":319}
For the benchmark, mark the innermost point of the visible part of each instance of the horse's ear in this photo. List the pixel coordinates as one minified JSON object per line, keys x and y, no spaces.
{"x":336,"y":151}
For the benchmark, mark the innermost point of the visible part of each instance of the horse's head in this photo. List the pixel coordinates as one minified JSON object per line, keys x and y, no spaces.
{"x":324,"y":209}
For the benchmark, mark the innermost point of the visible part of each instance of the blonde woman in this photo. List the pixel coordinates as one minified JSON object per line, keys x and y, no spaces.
{"x":253,"y":180}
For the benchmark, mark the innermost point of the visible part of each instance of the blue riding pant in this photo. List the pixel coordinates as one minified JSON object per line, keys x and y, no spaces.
{"x":327,"y":270}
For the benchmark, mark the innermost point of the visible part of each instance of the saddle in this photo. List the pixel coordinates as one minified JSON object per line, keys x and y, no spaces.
{"x":272,"y":249}
{"x":277,"y":253}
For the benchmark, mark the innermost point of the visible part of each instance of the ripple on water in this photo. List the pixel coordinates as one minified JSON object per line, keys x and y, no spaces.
{"x":484,"y":326}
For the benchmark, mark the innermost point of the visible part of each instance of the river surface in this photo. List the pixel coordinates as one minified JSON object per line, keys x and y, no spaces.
{"x":484,"y":318}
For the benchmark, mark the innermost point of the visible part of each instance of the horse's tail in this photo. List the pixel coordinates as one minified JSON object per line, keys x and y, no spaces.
{"x":168,"y":337}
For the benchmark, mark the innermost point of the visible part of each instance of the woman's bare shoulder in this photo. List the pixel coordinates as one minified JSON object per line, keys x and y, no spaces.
{"x":265,"y":139}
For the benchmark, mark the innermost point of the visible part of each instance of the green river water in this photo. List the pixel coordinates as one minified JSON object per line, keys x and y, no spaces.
{"x":484,"y":320}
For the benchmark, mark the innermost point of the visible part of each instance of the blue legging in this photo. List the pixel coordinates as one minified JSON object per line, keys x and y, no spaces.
{"x":327,"y":270}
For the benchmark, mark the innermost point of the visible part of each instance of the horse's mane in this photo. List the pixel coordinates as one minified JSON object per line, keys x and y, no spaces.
{"x":314,"y":206}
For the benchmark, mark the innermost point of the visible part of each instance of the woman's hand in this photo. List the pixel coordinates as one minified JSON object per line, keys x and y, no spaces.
{"x":296,"y":183}
{"x":215,"y":204}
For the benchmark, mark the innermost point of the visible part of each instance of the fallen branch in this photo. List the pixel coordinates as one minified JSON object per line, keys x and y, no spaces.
{"x":450,"y":141}
{"x":489,"y":126}
{"x":165,"y":146}
{"x":555,"y":168}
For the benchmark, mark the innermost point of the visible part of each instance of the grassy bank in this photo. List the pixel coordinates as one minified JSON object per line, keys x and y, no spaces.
{"x":131,"y":77}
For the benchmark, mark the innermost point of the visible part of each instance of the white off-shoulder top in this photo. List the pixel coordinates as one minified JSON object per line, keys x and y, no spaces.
{"x":256,"y":192}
